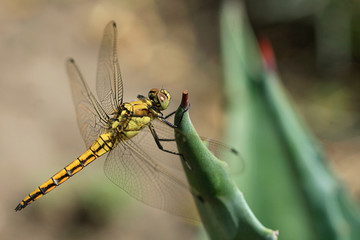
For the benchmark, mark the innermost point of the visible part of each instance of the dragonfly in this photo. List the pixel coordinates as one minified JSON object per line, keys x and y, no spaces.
{"x":122,"y":130}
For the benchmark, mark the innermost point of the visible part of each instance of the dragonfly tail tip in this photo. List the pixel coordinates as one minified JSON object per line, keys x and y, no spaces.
{"x":19,"y":207}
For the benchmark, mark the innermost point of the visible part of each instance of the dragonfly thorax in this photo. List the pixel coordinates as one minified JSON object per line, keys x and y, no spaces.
{"x":159,"y":98}
{"x":132,"y":117}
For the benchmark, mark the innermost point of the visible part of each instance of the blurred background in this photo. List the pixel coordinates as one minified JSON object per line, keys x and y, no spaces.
{"x":170,"y":44}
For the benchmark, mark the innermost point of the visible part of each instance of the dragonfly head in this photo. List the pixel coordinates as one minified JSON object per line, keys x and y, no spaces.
{"x":160,"y":98}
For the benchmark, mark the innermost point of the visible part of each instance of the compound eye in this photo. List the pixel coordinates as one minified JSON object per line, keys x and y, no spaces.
{"x":164,"y":99}
{"x":153,"y":93}
{"x":154,"y":90}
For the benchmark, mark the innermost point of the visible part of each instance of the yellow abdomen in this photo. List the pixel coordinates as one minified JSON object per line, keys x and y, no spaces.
{"x":102,"y":144}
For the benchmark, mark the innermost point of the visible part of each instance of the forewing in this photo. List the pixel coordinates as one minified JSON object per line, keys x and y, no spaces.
{"x":147,"y":180}
{"x":109,"y":85}
{"x":91,"y":117}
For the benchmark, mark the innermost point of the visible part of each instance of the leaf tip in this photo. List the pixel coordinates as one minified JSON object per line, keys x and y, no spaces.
{"x":267,"y":53}
{"x":185,"y":99}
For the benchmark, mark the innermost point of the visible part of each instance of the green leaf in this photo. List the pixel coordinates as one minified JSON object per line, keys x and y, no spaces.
{"x":222,"y":207}
{"x":268,"y":182}
{"x":286,"y":170}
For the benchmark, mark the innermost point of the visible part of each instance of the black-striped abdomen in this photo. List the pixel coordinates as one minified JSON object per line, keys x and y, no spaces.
{"x":103,"y":144}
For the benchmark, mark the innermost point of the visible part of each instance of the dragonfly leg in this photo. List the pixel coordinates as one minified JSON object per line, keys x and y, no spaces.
{"x":157,"y":140}
{"x":158,"y":143}
{"x":169,"y":115}
{"x":141,"y":97}
{"x":163,"y":119}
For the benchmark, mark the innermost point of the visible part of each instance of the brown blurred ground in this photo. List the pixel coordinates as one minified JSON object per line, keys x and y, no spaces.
{"x":39,"y":134}
{"x":170,"y":44}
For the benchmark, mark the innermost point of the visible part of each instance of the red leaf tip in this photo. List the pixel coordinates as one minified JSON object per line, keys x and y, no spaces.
{"x":267,"y":53}
{"x":185,"y":99}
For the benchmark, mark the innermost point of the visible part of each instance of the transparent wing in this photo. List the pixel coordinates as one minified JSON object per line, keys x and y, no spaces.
{"x":91,"y":118}
{"x":146,"y":140}
{"x":109,"y":85}
{"x":148,"y":180}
